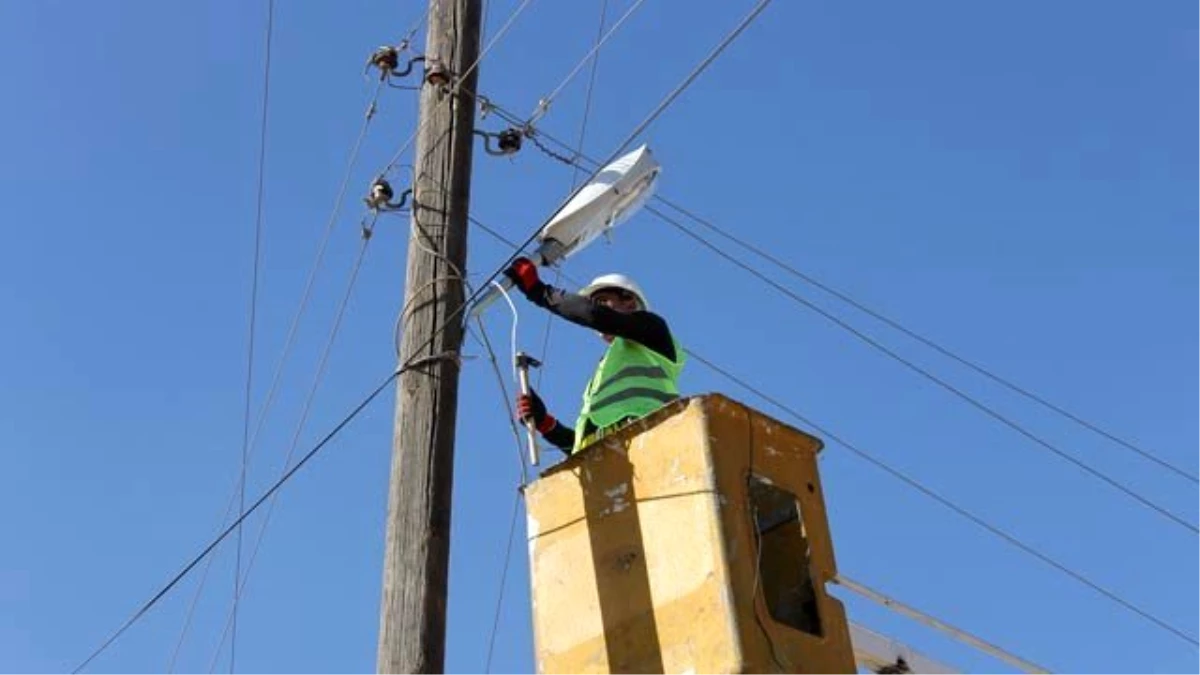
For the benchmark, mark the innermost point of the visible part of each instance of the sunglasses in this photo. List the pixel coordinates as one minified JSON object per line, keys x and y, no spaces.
{"x":618,"y":293}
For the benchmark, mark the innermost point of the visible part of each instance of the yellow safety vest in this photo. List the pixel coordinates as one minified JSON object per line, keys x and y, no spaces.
{"x":631,"y":381}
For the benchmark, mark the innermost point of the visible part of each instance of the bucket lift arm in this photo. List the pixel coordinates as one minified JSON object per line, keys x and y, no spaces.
{"x":880,"y":654}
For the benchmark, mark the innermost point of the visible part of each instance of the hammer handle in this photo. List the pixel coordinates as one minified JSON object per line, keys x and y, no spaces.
{"x":530,"y":436}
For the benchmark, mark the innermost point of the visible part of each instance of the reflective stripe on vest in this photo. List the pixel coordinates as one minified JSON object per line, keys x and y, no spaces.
{"x":630,"y":381}
{"x":654,"y":372}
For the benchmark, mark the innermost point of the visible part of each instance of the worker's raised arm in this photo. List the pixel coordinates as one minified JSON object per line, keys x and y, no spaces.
{"x":645,"y":328}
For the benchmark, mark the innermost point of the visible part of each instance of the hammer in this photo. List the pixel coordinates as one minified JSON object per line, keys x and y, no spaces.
{"x":524,"y":363}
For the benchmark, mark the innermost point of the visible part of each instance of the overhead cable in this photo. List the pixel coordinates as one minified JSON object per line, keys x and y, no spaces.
{"x":306,"y":408}
{"x":808,"y":278}
{"x":601,"y":37}
{"x":986,"y":409}
{"x":166,"y":588}
{"x":654,"y":114}
{"x":458,"y":82}
{"x":577,"y":156}
{"x":512,"y":529}
{"x":258,"y":229}
{"x":872,"y":342}
{"x":928,"y":492}
{"x":544,"y":104}
{"x":285,"y":352}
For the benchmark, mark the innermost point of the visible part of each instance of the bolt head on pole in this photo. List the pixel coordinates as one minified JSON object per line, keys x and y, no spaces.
{"x":436,"y":73}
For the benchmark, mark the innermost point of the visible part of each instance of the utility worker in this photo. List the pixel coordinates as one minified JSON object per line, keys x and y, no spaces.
{"x":639,"y":372}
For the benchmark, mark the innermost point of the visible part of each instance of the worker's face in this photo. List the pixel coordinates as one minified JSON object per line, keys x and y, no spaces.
{"x":618,"y":300}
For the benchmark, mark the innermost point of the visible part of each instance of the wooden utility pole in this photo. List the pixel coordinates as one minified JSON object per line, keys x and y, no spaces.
{"x":412,"y":632}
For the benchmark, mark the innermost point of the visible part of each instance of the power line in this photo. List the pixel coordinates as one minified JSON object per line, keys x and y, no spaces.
{"x":315,"y":268}
{"x":318,"y":377}
{"x":930,"y":376}
{"x":412,"y":30}
{"x":245,"y":514}
{"x":911,"y":482}
{"x":1133,"y":494}
{"x":654,"y":114}
{"x":543,"y":105}
{"x":578,"y":156}
{"x":512,"y":529}
{"x":413,"y":361}
{"x":258,"y":228}
{"x":289,"y":342}
{"x":495,"y":233}
{"x":966,"y":514}
{"x":601,"y":37}
{"x":649,"y":119}
{"x":459,"y":79}
{"x":924,"y":340}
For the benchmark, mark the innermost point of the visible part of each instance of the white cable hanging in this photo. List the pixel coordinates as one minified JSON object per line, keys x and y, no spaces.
{"x":515,"y":322}
{"x":521,"y":364}
{"x":285,"y":354}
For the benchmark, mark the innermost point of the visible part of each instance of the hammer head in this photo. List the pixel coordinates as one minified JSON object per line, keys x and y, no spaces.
{"x":526,"y":361}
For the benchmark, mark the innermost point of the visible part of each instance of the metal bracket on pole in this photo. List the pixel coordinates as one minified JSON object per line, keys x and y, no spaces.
{"x":524,"y":363}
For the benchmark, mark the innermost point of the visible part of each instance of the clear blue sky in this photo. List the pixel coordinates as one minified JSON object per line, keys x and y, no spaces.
{"x":1017,"y":181}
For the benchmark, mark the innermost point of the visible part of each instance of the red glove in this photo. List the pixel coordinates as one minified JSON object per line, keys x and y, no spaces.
{"x":530,"y":407}
{"x":524,"y":274}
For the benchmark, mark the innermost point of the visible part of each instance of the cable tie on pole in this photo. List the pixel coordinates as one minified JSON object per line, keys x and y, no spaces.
{"x":451,"y":356}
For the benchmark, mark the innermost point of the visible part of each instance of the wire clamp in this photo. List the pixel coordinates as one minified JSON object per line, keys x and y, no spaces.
{"x":486,"y":107}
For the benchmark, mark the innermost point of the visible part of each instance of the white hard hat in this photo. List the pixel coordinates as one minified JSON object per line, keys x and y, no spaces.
{"x":616,"y":281}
